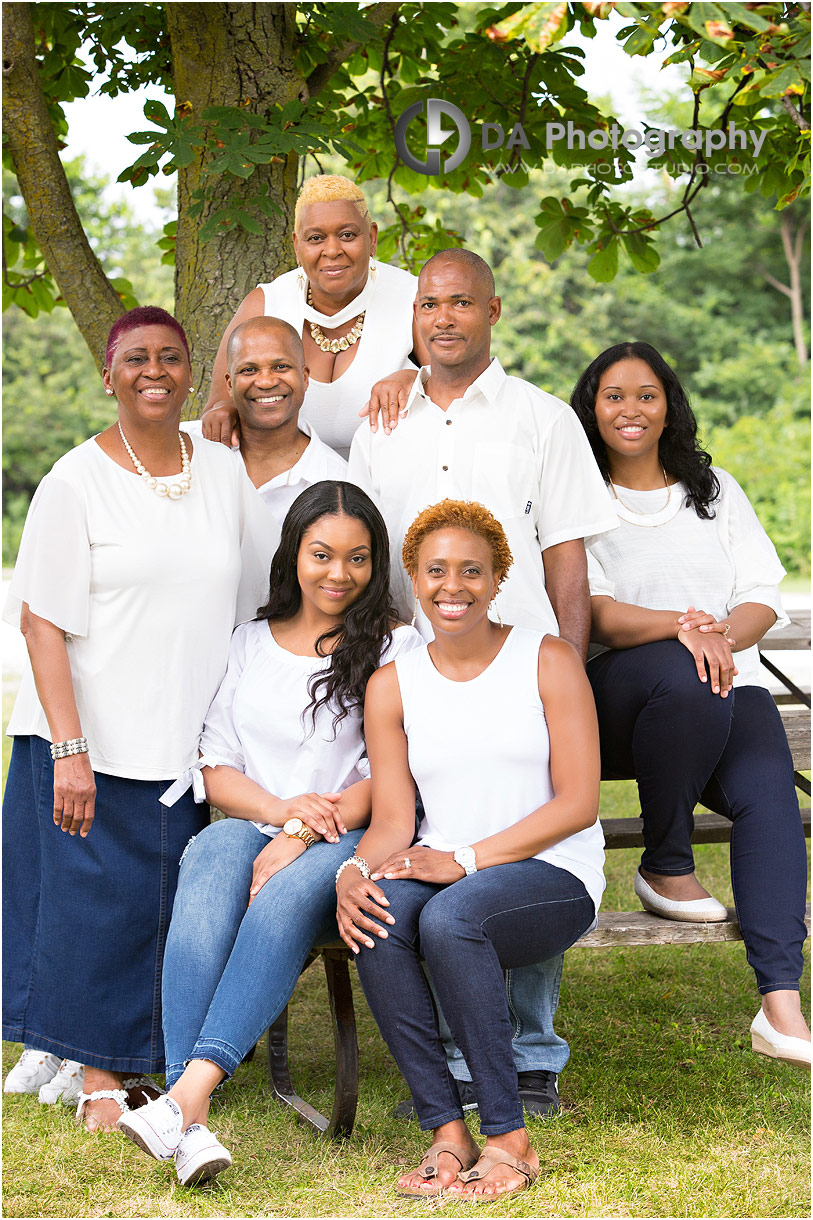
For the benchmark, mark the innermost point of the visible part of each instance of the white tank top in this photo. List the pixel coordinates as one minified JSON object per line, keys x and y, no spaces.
{"x":332,"y":408}
{"x":479,"y":753}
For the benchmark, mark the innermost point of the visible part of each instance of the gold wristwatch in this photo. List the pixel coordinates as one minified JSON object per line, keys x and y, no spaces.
{"x":295,"y":828}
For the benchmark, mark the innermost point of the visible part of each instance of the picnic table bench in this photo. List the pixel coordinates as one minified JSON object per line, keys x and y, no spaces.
{"x":614,"y":928}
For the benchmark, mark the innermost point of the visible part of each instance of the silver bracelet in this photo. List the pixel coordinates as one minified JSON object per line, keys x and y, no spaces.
{"x":64,"y":749}
{"x":360,"y":863}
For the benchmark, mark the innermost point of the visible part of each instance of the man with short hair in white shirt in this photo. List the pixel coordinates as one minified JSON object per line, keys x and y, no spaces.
{"x":268,"y":378}
{"x":471,"y":432}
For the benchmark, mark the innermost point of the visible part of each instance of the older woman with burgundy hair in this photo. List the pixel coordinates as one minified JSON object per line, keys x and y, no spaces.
{"x":138,"y":556}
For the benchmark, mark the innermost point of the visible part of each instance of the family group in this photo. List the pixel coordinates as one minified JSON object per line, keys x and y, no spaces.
{"x":400,"y":724}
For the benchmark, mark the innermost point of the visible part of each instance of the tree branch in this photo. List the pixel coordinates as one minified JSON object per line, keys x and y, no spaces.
{"x":773,"y":281}
{"x":378,"y":17}
{"x":31,"y":141}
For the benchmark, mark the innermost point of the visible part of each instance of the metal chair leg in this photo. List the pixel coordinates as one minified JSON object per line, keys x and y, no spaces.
{"x":340,"y":995}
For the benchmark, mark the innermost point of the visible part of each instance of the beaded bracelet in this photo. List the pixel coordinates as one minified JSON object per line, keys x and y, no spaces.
{"x":360,"y":863}
{"x":64,"y":749}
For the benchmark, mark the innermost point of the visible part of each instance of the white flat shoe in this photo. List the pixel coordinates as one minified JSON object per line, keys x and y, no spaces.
{"x":766,"y":1040}
{"x":699,"y":910}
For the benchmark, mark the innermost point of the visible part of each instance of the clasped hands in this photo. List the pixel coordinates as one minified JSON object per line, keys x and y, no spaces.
{"x":361,"y":903}
{"x":323,"y":817}
{"x":710,"y":643}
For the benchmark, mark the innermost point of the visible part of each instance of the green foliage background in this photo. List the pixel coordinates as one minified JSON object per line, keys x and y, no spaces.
{"x":711,"y":312}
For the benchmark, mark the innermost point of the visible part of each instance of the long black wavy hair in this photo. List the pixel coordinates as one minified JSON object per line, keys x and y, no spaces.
{"x":678,"y":450}
{"x":367,"y":624}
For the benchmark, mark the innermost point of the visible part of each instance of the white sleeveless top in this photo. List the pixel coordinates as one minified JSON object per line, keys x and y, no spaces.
{"x":332,"y":408}
{"x":479,"y":752}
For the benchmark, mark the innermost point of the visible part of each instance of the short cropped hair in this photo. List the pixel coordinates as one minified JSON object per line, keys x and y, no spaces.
{"x":466,"y":258}
{"x":143,"y":315}
{"x":264,"y":322}
{"x":463,"y":515}
{"x":330,"y":188}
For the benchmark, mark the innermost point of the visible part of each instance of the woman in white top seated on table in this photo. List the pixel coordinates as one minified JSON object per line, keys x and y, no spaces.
{"x":496,"y":727}
{"x":354,"y":315}
{"x":282,"y":750}
{"x":140,"y":552}
{"x":682,"y":591}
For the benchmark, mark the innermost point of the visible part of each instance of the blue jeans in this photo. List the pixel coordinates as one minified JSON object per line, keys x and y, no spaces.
{"x":230,"y":969}
{"x":684,"y":745}
{"x":468,"y":933}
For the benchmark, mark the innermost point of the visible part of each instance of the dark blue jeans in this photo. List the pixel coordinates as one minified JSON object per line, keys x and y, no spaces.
{"x":468,"y":933}
{"x":661,"y":725}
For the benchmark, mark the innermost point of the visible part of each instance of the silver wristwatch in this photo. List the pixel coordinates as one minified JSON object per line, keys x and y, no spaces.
{"x":464,"y":856}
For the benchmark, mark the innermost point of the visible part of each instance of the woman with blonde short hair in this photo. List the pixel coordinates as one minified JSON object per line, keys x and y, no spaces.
{"x":354,"y":314}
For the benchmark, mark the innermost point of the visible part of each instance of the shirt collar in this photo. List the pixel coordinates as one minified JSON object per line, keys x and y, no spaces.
{"x":488,"y":384}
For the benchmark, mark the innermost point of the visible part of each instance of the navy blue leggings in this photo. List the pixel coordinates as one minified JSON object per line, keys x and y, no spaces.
{"x":661,"y":725}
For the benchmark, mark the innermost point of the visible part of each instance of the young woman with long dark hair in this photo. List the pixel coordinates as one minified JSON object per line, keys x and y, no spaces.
{"x":682,"y":592}
{"x":282,"y":755}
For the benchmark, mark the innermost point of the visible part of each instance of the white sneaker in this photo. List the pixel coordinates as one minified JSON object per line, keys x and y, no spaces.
{"x":66,"y":1085}
{"x":32,"y":1069}
{"x":200,"y":1156}
{"x":156,"y":1128}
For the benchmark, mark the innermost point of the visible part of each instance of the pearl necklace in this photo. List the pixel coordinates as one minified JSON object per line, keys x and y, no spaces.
{"x":335,"y":345}
{"x":173,"y":491}
{"x":635,"y":511}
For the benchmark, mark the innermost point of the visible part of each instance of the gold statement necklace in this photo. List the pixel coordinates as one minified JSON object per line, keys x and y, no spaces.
{"x":635,"y":512}
{"x":335,"y":345}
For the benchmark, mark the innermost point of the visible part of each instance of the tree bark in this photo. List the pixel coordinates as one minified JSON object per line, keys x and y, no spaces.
{"x":32,"y":143}
{"x":230,"y":55}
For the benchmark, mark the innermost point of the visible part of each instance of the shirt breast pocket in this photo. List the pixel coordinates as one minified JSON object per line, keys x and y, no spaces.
{"x":505,"y":480}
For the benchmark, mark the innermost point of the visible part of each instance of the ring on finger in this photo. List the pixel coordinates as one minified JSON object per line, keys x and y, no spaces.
{"x":726,"y":630}
{"x":407,"y":862}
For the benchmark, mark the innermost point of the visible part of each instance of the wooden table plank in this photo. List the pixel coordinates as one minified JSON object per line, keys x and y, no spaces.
{"x":618,"y":929}
{"x":797,"y":635}
{"x":708,"y":828}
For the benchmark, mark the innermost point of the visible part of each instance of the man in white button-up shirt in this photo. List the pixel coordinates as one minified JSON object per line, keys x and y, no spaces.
{"x":268,"y":378}
{"x":471,"y":432}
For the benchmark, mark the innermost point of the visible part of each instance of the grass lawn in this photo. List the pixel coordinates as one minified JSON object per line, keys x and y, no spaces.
{"x":666,"y":1110}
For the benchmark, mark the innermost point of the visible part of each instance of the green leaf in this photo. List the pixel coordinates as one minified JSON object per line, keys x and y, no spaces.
{"x":641,"y":252}
{"x":156,"y":112}
{"x":604,"y":263}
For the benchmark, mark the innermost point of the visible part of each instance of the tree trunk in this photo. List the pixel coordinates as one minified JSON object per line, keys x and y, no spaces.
{"x":32,"y":143}
{"x":230,"y":55}
{"x":793,"y":246}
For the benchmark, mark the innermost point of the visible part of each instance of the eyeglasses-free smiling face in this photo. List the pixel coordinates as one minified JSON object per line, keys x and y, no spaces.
{"x":267,"y":378}
{"x":455,"y":579}
{"x":149,"y":374}
{"x":333,"y":245}
{"x":334,"y":563}
{"x":631,"y":408}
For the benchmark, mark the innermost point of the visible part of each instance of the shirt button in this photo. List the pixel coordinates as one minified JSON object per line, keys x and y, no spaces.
{"x":444,"y":467}
{"x":448,"y":423}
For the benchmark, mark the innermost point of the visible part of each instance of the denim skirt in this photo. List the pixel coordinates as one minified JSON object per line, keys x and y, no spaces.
{"x":85,"y":920}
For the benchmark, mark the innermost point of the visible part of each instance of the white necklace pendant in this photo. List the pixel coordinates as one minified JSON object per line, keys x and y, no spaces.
{"x":173,"y":491}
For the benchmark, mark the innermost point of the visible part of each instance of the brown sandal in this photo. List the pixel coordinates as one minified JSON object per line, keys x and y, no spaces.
{"x":429,"y":1167}
{"x":489,"y":1159}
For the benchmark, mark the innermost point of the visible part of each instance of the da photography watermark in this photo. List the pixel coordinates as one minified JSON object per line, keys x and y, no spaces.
{"x":495,"y":135}
{"x":435,"y":136}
